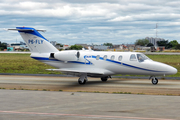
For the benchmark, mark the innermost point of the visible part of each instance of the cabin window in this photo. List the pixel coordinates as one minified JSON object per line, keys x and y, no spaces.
{"x":105,"y":57}
{"x":97,"y":57}
{"x":112,"y":57}
{"x":120,"y":58}
{"x":133,"y":57}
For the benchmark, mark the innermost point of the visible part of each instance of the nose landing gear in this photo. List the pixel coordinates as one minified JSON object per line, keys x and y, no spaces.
{"x":154,"y":80}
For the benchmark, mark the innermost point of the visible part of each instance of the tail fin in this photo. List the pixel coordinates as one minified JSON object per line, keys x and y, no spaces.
{"x":35,"y":41}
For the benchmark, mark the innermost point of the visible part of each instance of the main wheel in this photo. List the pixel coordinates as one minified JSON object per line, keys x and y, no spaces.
{"x":82,"y":82}
{"x":154,"y":81}
{"x":104,"y":79}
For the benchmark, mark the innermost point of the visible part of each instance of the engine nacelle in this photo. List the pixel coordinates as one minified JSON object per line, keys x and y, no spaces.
{"x":66,"y":55}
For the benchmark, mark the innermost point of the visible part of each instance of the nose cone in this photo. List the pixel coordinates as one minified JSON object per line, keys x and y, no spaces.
{"x":169,"y":70}
{"x":165,"y":69}
{"x":172,"y":70}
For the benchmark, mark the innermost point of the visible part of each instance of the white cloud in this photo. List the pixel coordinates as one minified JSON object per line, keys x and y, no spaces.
{"x":99,"y":21}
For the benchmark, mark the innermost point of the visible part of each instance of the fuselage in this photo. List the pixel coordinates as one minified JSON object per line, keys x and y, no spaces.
{"x":109,"y":63}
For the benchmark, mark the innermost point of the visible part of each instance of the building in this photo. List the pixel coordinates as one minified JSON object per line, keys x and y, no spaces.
{"x":154,"y":40}
{"x":66,"y":47}
{"x":10,"y":48}
{"x":18,"y":46}
{"x":100,"y":47}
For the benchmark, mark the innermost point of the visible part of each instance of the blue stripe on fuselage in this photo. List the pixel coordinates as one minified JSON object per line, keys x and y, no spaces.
{"x":42,"y":58}
{"x":109,"y":60}
{"x":47,"y":59}
{"x":89,"y":63}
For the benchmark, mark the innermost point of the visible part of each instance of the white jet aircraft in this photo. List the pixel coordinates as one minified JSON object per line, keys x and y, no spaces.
{"x":89,"y":63}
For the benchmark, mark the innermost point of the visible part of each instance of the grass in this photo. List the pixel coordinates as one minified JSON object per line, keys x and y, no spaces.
{"x":22,"y":63}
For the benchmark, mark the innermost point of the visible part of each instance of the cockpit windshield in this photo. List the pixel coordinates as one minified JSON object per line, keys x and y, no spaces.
{"x":142,"y":57}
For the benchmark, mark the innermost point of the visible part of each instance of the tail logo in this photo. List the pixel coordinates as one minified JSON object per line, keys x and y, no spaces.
{"x":35,"y":41}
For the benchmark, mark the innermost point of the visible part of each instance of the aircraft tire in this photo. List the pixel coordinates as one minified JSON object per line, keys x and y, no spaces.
{"x":104,"y":79}
{"x":154,"y":81}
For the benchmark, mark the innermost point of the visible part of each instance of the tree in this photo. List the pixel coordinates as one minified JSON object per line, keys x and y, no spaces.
{"x":173,"y":43}
{"x":61,"y":45}
{"x":76,"y":47}
{"x":142,"y":42}
{"x":164,"y":43}
{"x":108,"y":44}
{"x":167,"y":44}
{"x":177,"y":47}
{"x":149,"y":45}
{"x":3,"y":46}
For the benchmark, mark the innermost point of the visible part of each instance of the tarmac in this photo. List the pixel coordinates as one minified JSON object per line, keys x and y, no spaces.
{"x":33,"y":97}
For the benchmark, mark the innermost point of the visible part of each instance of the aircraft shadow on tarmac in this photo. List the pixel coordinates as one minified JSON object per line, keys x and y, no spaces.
{"x":110,"y":82}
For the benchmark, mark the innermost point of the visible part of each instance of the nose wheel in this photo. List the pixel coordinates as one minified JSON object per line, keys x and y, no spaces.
{"x":154,"y":81}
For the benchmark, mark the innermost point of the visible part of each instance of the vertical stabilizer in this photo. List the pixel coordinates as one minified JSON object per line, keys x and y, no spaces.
{"x":35,"y":41}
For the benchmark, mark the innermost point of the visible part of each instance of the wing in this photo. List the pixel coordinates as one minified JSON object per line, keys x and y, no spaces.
{"x":77,"y":72}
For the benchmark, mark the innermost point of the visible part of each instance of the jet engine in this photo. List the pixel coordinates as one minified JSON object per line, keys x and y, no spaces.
{"x":66,"y":55}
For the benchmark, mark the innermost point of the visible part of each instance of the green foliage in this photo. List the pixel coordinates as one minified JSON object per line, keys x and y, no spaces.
{"x":171,"y":44}
{"x":3,"y":46}
{"x":150,"y":45}
{"x":162,"y":43}
{"x":174,"y":43}
{"x":142,"y":42}
{"x":76,"y":47}
{"x":108,"y":44}
{"x":177,"y":47}
{"x":61,"y":45}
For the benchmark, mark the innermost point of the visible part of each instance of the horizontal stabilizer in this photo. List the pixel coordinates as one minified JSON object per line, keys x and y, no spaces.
{"x":26,"y":30}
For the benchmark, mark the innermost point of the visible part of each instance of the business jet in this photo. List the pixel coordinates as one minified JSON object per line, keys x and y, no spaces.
{"x":89,"y":63}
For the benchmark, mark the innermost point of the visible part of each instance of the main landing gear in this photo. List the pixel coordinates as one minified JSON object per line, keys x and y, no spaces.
{"x":154,"y":80}
{"x":82,"y":82}
{"x":104,"y":79}
{"x":83,"y":79}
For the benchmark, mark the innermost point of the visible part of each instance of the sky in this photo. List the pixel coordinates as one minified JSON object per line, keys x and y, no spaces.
{"x":92,"y":21}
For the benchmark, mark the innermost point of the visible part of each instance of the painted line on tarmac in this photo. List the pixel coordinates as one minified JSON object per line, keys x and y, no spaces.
{"x":81,"y":115}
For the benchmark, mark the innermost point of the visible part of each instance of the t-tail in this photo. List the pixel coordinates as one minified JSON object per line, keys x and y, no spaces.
{"x":35,"y":41}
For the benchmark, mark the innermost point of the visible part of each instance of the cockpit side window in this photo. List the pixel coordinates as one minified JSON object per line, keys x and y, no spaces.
{"x":141,"y":57}
{"x":133,"y":57}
